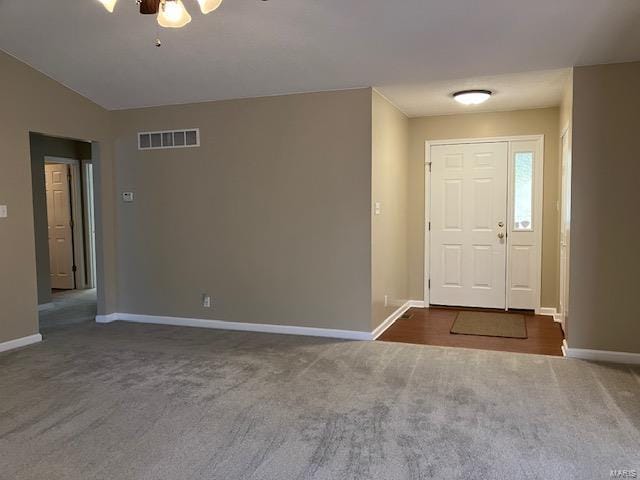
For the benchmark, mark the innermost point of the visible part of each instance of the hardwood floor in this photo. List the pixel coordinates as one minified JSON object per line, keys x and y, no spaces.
{"x":430,"y":326}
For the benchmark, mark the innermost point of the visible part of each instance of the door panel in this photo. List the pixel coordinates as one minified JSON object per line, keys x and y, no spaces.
{"x":59,"y":226}
{"x":468,"y":202}
{"x":522,"y":277}
{"x":525,"y":224}
{"x":452,"y":265}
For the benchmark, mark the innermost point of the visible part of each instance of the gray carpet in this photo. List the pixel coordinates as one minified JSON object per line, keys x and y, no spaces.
{"x":68,"y":307}
{"x":126,"y":401}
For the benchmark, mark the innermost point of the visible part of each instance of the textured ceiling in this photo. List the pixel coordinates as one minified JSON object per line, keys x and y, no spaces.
{"x":253,"y":48}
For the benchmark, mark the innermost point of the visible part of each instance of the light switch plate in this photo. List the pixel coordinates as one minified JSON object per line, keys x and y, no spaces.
{"x":3,"y":211}
{"x":127,"y":196}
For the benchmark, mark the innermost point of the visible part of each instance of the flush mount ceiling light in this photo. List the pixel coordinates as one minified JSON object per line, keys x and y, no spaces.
{"x":171,"y":13}
{"x":472,"y":97}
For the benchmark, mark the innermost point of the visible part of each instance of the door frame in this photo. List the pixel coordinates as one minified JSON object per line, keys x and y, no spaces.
{"x":538,"y":205}
{"x":565,"y":227}
{"x":79,"y":276}
{"x":89,"y":222}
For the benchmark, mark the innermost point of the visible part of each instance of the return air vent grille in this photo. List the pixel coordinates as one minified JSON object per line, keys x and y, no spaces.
{"x":169,"y":139}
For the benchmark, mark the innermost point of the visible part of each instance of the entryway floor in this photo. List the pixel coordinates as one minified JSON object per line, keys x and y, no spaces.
{"x":69,"y":307}
{"x":431,"y":326}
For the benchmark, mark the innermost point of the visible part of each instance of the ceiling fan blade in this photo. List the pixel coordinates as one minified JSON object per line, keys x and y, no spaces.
{"x":149,"y":7}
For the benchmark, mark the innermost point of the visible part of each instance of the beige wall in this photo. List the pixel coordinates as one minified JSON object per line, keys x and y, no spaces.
{"x":389,"y":229}
{"x":40,"y":147}
{"x":32,"y":102}
{"x":605,"y":232}
{"x":270,"y":216}
{"x":523,"y":122}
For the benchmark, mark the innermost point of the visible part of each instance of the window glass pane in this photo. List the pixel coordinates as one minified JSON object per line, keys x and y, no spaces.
{"x":523,"y":191}
{"x":145,"y":140}
{"x":156,"y":140}
{"x":167,"y":139}
{"x":191,"y":137}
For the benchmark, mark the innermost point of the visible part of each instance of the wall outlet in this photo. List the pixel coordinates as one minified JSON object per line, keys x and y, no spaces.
{"x":3,"y":211}
{"x":386,"y":300}
{"x":377,"y":208}
{"x":127,"y":197}
{"x":206,"y":301}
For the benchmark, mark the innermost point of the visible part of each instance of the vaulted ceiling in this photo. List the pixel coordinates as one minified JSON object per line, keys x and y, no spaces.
{"x":252,"y":48}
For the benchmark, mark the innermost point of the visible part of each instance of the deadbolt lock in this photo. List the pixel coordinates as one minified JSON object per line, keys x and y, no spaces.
{"x":501,"y":224}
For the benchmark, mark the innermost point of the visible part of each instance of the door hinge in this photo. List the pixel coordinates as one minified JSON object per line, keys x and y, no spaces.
{"x":429,"y":226}
{"x":71,"y":223}
{"x":429,"y":283}
{"x":74,"y":269}
{"x":429,"y":166}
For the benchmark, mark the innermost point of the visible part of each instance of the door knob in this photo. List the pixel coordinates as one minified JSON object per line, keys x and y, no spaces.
{"x":501,"y":235}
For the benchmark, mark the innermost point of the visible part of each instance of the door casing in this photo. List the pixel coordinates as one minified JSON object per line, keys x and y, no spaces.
{"x":565,"y":225}
{"x":538,"y":205}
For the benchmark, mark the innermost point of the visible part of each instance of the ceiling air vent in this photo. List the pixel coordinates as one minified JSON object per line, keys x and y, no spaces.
{"x":169,"y":139}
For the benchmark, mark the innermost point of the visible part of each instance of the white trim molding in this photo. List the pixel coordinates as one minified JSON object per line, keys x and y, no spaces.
{"x":20,"y":342}
{"x":112,"y":317}
{"x":390,"y":320}
{"x":550,"y":311}
{"x":601,"y":355}
{"x":261,"y":327}
{"x":237,"y":326}
{"x":417,"y":304}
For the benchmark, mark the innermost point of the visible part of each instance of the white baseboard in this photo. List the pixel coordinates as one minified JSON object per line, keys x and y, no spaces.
{"x":112,"y":317}
{"x":390,"y":320}
{"x":601,"y":355}
{"x":20,"y":342}
{"x":44,"y":306}
{"x":416,"y":303}
{"x":244,"y":327}
{"x":552,"y":312}
{"x":261,"y":327}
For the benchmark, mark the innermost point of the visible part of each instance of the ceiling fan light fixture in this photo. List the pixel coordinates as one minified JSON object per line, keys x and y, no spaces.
{"x":172,"y":14}
{"x":108,"y":4}
{"x":472,"y":97}
{"x":208,"y":6}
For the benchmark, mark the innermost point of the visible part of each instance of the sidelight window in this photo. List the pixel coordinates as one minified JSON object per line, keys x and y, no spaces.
{"x":523,"y":192}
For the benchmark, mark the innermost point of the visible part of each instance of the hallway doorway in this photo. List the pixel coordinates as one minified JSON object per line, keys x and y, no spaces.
{"x":64,"y":229}
{"x":68,"y":307}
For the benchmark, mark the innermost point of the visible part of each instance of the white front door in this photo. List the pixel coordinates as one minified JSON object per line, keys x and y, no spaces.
{"x":59,"y":223}
{"x":468,"y":224}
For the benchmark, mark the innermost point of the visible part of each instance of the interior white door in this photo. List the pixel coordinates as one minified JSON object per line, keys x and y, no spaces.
{"x":468,"y":224}
{"x":59,"y":226}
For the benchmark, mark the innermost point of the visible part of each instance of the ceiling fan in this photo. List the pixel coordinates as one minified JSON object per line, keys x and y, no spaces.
{"x":171,"y":13}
